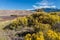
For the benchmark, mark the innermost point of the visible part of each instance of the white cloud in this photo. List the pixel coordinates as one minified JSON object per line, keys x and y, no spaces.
{"x":30,"y":9}
{"x":37,"y":7}
{"x":44,"y":4}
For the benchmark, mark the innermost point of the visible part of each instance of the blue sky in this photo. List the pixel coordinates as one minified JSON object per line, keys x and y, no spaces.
{"x":23,"y":4}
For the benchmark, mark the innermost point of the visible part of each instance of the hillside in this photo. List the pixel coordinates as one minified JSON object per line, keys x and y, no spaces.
{"x":37,"y":26}
{"x":14,"y":12}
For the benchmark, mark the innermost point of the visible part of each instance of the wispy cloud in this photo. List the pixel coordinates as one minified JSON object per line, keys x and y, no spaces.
{"x":30,"y":9}
{"x":37,"y":7}
{"x":44,"y":4}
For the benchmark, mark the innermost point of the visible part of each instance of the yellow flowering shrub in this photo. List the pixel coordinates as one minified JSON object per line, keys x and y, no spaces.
{"x":38,"y":36}
{"x":51,"y":35}
{"x":28,"y":37}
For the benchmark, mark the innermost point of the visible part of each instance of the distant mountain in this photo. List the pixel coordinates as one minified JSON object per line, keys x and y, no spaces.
{"x":51,"y":9}
{"x":48,"y":9}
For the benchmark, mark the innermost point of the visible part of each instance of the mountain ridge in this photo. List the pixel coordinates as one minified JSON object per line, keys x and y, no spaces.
{"x":48,"y":9}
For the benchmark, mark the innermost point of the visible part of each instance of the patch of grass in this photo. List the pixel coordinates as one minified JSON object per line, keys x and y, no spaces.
{"x":2,"y":32}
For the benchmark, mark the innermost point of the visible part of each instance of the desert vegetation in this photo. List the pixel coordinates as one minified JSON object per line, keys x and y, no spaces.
{"x":37,"y":26}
